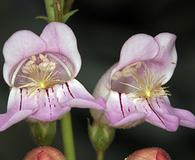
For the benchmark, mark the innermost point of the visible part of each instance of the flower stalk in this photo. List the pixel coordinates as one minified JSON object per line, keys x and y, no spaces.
{"x":50,"y":10}
{"x":56,"y":11}
{"x":67,"y":136}
{"x":100,"y":155}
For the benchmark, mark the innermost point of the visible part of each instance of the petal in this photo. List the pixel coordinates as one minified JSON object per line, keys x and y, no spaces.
{"x":102,"y":90}
{"x":166,"y":121}
{"x":61,"y":39}
{"x":121,"y":111}
{"x":19,"y":46}
{"x":97,"y":104}
{"x":81,"y":97}
{"x":187,"y":119}
{"x":56,"y":101}
{"x":140,"y":47}
{"x":130,"y":121}
{"x":12,"y":117}
{"x":19,"y":98}
{"x":158,"y":115}
{"x":114,"y":112}
{"x":165,"y":61}
{"x":50,"y":108}
{"x":19,"y":107}
{"x":103,"y":86}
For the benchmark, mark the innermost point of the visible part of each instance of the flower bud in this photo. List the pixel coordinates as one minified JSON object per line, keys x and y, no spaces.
{"x":43,"y":132}
{"x":101,"y":136}
{"x":153,"y":153}
{"x":44,"y":153}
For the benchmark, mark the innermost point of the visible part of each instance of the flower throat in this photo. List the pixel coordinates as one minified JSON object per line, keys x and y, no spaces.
{"x":41,"y":71}
{"x":144,"y":84}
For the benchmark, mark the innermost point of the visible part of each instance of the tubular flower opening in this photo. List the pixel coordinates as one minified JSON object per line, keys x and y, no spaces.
{"x":134,"y":88}
{"x":144,"y":85}
{"x":41,"y":71}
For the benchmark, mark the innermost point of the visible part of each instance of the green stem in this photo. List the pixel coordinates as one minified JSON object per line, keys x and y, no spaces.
{"x":100,"y":155}
{"x":49,"y":6}
{"x":67,"y":136}
{"x":54,"y":9}
{"x":58,"y":10}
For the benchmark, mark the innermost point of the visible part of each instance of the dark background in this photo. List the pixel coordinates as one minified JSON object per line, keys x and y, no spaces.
{"x":102,"y":27}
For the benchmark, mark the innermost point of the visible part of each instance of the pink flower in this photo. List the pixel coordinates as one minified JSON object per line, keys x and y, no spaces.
{"x":41,"y":72}
{"x":134,"y":87}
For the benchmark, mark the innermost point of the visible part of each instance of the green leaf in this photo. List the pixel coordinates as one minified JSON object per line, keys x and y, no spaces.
{"x":69,"y":14}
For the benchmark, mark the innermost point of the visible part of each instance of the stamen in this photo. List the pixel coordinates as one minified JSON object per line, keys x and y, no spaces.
{"x":39,"y":72}
{"x":130,"y":85}
{"x":117,"y":75}
{"x":146,"y":85}
{"x":131,"y":69}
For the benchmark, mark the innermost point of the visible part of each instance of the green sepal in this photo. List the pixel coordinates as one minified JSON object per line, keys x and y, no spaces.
{"x":43,"y":18}
{"x":69,"y":14}
{"x":43,"y":133}
{"x":101,"y":136}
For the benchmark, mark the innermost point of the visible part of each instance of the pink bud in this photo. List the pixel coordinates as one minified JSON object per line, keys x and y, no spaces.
{"x":153,"y":153}
{"x":44,"y":153}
